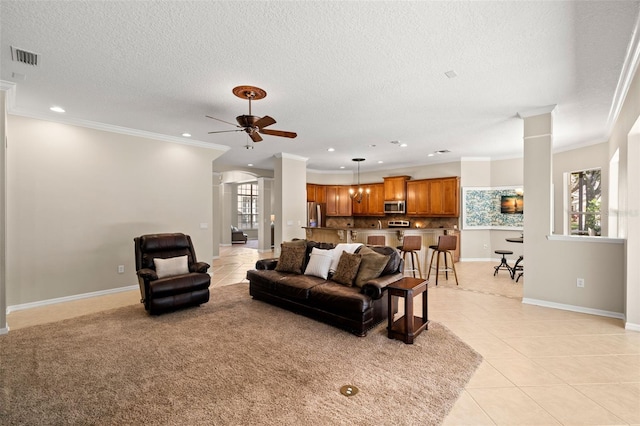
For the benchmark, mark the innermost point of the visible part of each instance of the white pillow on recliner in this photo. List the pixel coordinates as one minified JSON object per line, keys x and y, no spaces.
{"x":171,"y":266}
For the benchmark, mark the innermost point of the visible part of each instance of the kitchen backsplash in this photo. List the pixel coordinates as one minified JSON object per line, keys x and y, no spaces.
{"x":372,"y":222}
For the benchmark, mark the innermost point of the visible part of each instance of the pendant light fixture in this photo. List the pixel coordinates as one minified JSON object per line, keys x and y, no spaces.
{"x":356,"y":195}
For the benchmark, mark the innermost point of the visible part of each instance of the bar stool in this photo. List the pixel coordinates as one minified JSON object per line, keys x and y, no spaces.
{"x":503,"y":262}
{"x":518,"y":268}
{"x":376,"y":240}
{"x":411,"y":244}
{"x":446,"y":243}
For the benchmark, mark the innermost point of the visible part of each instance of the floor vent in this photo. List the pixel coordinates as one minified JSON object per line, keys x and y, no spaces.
{"x":23,"y":56}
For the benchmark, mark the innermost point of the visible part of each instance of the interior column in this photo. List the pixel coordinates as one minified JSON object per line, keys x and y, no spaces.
{"x":538,"y":191}
{"x":290,"y":195}
{"x":265,"y":190}
{"x":3,"y":204}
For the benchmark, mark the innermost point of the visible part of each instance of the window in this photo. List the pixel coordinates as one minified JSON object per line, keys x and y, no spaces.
{"x":584,"y":192}
{"x":248,"y":206}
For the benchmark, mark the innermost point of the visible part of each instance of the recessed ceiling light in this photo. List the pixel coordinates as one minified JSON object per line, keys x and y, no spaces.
{"x":56,"y":109}
{"x":331,"y":149}
{"x":380,"y":162}
{"x":442,"y":151}
{"x":395,"y":142}
{"x":342,"y":167}
{"x":430,"y":155}
{"x":403,"y":145}
{"x":250,"y":164}
{"x":451,"y":74}
{"x":186,"y":135}
{"x":372,"y":145}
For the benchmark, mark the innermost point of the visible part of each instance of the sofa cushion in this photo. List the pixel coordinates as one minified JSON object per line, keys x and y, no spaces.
{"x":296,"y":286}
{"x":371,"y":266}
{"x":292,"y":257}
{"x":347,"y":268}
{"x":395,"y":259}
{"x":337,"y":252}
{"x":319,"y":263}
{"x":338,"y":298}
{"x":171,"y":266}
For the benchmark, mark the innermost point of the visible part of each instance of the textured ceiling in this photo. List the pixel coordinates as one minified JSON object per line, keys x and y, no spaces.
{"x":349,"y":75}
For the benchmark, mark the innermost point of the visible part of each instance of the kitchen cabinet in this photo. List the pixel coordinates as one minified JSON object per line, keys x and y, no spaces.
{"x":417,"y":198}
{"x":395,"y":188}
{"x":338,"y":200}
{"x":372,"y":204}
{"x":316,"y":193}
{"x":434,"y":197}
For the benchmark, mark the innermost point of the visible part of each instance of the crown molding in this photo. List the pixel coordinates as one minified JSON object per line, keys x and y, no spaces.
{"x":10,"y":88}
{"x":547,"y":109}
{"x":629,"y":68}
{"x":290,"y":156}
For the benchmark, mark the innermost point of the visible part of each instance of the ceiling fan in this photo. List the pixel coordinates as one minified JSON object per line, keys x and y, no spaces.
{"x":252,"y":125}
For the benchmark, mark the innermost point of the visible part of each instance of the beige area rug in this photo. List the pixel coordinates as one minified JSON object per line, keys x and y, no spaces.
{"x":232,"y":361}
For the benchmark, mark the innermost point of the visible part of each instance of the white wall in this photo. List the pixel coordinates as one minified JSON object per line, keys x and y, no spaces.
{"x":77,"y":197}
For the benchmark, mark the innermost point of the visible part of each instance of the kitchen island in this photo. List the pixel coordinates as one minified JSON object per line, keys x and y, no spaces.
{"x":393,"y":238}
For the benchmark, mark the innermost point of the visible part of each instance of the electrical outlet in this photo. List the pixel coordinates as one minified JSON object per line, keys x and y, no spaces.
{"x":580,"y":282}
{"x":121,"y":269}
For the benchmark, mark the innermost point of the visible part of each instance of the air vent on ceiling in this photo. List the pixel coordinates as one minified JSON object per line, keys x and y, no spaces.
{"x":23,"y":56}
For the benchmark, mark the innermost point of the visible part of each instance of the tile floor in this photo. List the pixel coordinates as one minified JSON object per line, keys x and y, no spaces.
{"x":541,"y":366}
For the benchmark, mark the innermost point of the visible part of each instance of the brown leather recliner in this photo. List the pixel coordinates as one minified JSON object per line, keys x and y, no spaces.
{"x":171,"y":292}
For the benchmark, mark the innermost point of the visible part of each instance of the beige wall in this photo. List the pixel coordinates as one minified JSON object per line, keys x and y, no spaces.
{"x":590,"y":157}
{"x":3,"y":225}
{"x":77,"y":197}
{"x":291,"y":191}
{"x":350,"y":177}
{"x":625,"y":137}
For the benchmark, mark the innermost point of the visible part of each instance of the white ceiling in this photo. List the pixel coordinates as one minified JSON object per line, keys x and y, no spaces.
{"x":349,"y":75}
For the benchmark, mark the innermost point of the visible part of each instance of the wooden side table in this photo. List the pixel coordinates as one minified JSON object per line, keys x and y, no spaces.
{"x":407,"y":327}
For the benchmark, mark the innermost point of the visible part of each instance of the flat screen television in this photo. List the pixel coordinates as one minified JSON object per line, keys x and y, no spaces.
{"x":511,"y":204}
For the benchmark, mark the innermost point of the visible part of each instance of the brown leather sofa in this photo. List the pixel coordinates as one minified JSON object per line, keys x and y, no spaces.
{"x":187,"y":288}
{"x":351,"y":308}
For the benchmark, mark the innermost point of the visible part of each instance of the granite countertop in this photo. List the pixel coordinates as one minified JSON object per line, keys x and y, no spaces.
{"x":379,"y":229}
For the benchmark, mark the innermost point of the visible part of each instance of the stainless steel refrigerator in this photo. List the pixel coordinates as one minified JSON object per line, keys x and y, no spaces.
{"x":316,"y":215}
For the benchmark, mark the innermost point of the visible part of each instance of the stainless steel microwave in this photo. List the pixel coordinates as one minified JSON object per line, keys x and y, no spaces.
{"x":394,"y":207}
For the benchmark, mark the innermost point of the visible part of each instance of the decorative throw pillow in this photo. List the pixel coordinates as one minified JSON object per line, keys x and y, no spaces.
{"x":371,"y":266}
{"x":319,"y":263}
{"x":292,"y":257}
{"x":171,"y":266}
{"x":347,"y":268}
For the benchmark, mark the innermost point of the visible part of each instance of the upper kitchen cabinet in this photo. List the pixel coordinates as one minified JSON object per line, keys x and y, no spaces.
{"x":316,"y":193}
{"x":434,"y":197}
{"x":338,"y":200}
{"x":372,"y":204}
{"x":395,"y":188}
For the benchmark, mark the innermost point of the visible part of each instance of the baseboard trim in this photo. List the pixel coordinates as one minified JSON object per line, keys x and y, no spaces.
{"x":4,"y":330}
{"x":476,"y":259}
{"x":631,"y":326}
{"x":573,"y":308}
{"x":30,"y":305}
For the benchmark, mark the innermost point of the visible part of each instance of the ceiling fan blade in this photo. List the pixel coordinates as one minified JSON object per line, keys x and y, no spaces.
{"x":278,"y":133}
{"x":227,"y":131}
{"x":255,"y":136}
{"x":213,"y":118}
{"x":264,"y":122}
